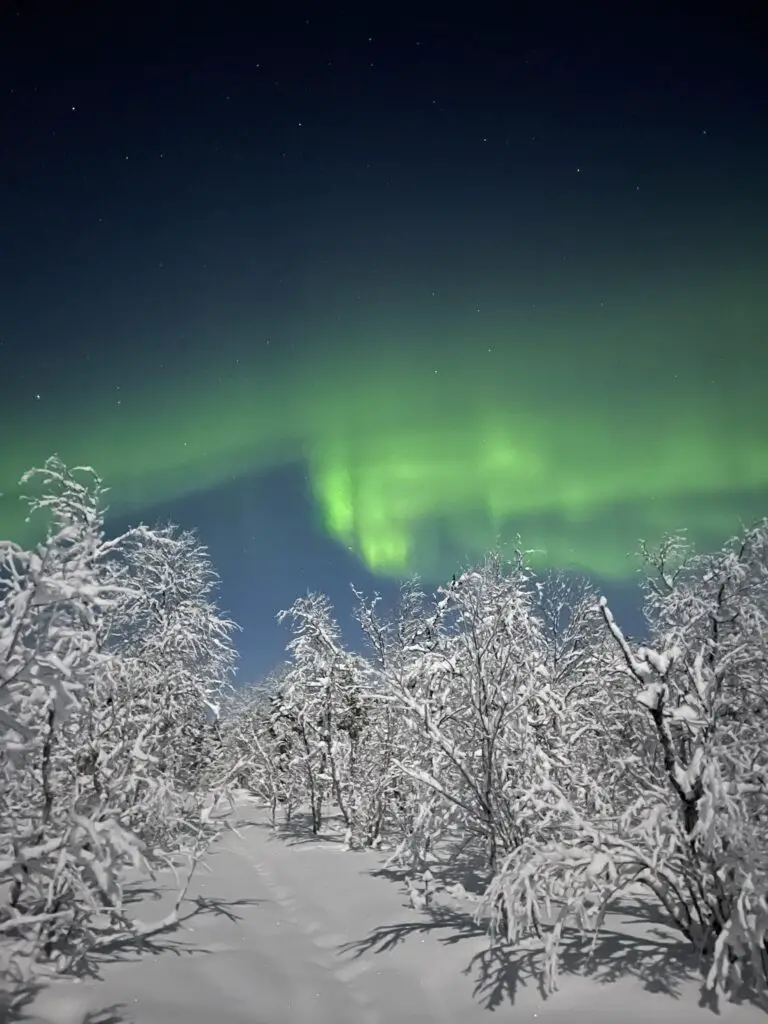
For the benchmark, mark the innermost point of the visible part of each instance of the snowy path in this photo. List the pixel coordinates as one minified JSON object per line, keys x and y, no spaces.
{"x":290,"y":930}
{"x":240,"y":959}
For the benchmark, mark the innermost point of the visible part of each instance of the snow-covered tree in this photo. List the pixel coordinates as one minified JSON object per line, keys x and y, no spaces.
{"x":403,"y":804}
{"x":60,"y":856}
{"x":322,"y":711}
{"x":174,"y":644}
{"x":79,"y":757}
{"x":252,"y":754}
{"x":482,"y":696}
{"x":595,"y":735}
{"x":693,"y":834}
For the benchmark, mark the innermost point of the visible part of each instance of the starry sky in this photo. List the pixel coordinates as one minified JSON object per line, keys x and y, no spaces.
{"x":362,"y":295}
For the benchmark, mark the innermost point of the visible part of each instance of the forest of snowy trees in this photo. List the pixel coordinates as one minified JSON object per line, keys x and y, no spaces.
{"x":507,"y":716}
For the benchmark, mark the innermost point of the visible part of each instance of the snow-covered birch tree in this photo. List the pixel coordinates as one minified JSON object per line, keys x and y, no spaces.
{"x":79,"y":757}
{"x":175,"y":645}
{"x":693,"y":833}
{"x":324,"y":706}
{"x":254,"y":753}
{"x":474,"y":681}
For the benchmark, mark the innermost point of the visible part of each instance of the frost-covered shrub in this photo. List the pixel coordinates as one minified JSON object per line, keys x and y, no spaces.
{"x":84,"y":800}
{"x":322,"y":713}
{"x":175,"y":647}
{"x":253,"y":754}
{"x":694,"y":834}
{"x":496,"y":683}
{"x":317,"y":732}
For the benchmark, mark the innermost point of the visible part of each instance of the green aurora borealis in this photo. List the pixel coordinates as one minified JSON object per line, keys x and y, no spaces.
{"x":363,"y":295}
{"x":428,"y":437}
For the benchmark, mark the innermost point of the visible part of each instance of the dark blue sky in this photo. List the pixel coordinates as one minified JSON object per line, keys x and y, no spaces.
{"x":266,"y":229}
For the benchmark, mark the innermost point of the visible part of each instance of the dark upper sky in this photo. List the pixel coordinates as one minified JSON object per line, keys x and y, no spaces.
{"x":358,"y":295}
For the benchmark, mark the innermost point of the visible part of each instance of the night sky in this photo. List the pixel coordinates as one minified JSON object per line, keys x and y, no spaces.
{"x":359,"y":295}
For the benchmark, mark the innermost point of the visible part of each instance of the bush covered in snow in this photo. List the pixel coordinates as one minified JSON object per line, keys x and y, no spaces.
{"x":693,"y":833}
{"x":493,"y":693}
{"x":112,"y":653}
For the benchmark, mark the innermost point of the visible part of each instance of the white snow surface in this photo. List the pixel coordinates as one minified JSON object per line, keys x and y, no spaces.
{"x":287,"y":928}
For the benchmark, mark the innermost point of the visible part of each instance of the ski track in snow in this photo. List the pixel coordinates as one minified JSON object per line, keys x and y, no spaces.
{"x":290,"y":944}
{"x":323,"y":942}
{"x":402,"y":997}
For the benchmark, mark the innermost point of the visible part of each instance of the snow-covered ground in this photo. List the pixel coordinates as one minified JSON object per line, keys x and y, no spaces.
{"x":287,"y":929}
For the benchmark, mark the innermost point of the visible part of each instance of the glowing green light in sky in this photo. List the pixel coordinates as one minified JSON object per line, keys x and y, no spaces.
{"x":426,"y":446}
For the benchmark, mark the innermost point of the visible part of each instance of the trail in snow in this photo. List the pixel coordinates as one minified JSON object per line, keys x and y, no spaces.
{"x":292,"y":930}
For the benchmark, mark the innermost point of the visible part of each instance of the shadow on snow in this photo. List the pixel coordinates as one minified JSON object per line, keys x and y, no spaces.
{"x":16,"y":1008}
{"x":298,"y":831}
{"x":17,"y":1005}
{"x":659,"y":961}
